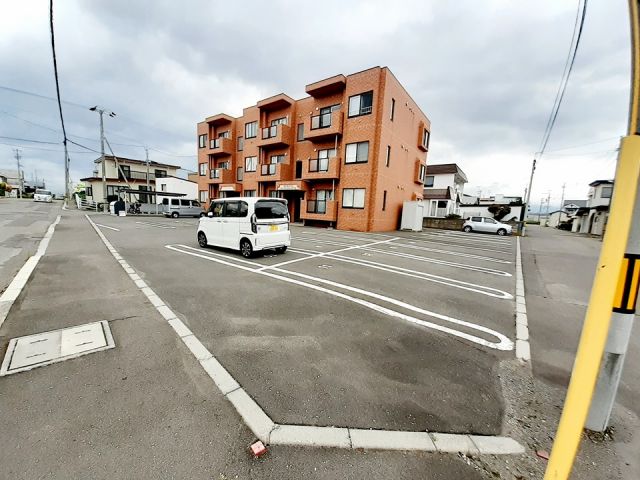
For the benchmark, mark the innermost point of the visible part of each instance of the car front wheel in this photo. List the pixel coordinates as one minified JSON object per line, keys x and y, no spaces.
{"x":202,"y":239}
{"x":502,"y":232}
{"x":246,"y":249}
{"x":467,"y":229}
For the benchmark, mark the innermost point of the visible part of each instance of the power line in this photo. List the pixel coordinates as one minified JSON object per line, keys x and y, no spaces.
{"x":29,"y":140}
{"x":565,"y":78}
{"x":570,"y":147}
{"x":83,"y":146}
{"x":30,"y":147}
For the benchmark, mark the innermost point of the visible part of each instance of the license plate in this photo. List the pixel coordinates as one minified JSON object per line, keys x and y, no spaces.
{"x":273,"y":228}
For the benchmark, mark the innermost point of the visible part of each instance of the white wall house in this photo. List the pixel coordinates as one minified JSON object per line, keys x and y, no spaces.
{"x":443,"y":188}
{"x":127,"y":173}
{"x":176,"y":185}
{"x":566,"y":213}
{"x":11,"y":177}
{"x":593,"y":218}
{"x":473,"y":206}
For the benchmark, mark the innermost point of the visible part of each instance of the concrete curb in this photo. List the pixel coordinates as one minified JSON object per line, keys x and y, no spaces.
{"x":523,"y":349}
{"x":14,"y":289}
{"x":266,"y":430}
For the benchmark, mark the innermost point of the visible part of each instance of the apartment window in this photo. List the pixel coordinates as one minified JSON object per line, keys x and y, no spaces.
{"x":240,"y":144}
{"x":224,"y":165}
{"x":428,"y":180}
{"x":300,"y":132}
{"x":425,"y":138}
{"x":88,"y":191}
{"x":202,"y":141}
{"x":249,"y":193}
{"x":239,"y":174}
{"x":144,"y":198}
{"x":277,"y":158}
{"x":273,"y":193}
{"x":163,"y":187}
{"x":323,"y":120}
{"x":203,"y":169}
{"x":388,"y":159}
{"x":204,"y":196}
{"x":393,"y":109}
{"x":160,"y":173}
{"x":279,"y":121}
{"x":357,"y":152}
{"x":250,"y":164}
{"x":384,"y":200}
{"x":250,"y":130}
{"x":124,"y":171}
{"x":226,"y":134}
{"x":361,"y":104}
{"x":353,"y":198}
{"x":422,"y":172}
{"x":319,"y":205}
{"x":321,"y":164}
{"x":606,"y":192}
{"x":112,"y":190}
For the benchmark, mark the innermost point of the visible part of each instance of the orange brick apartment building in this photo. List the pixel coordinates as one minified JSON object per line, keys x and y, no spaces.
{"x":348,"y":155}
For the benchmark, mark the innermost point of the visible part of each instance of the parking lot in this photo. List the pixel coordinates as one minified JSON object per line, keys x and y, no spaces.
{"x":398,"y":331}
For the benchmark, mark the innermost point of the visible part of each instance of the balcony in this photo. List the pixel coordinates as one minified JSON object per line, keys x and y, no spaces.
{"x":136,"y":176}
{"x":328,"y":86}
{"x":221,"y":146}
{"x":222,"y":175}
{"x":274,"y":172}
{"x":322,"y":127}
{"x":326,"y":210}
{"x":276,"y":136}
{"x":322,"y":168}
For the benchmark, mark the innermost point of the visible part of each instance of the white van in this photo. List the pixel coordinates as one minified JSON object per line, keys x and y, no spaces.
{"x":248,"y":224}
{"x":42,"y":196}
{"x":181,"y":207}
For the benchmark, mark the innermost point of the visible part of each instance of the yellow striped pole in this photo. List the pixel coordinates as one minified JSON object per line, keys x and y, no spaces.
{"x":606,"y":285}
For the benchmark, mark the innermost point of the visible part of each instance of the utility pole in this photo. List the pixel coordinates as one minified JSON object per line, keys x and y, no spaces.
{"x":526,"y":202}
{"x":540,"y":210}
{"x":148,"y":188}
{"x":562,"y":198}
{"x":20,"y":173}
{"x":548,"y":202}
{"x":102,"y":111}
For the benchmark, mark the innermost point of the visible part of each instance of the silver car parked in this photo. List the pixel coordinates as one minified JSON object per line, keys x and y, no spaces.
{"x":486,"y":224}
{"x":180,"y":207}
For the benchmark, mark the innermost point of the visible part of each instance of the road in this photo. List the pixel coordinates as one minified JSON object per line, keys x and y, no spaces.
{"x":22,"y":225}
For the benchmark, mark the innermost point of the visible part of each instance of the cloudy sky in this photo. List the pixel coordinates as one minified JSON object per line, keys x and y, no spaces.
{"x":485,"y":72}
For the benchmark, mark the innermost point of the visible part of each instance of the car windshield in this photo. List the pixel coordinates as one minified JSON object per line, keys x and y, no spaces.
{"x":266,"y":209}
{"x":43,"y":192}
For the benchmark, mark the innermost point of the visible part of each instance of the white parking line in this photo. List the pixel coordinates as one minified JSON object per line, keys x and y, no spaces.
{"x":322,"y":254}
{"x":450,"y":282}
{"x":156,"y":225}
{"x":523,"y":349}
{"x":420,"y":258}
{"x":503,"y":342}
{"x":106,"y":226}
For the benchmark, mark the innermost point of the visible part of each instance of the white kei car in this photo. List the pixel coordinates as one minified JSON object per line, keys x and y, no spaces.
{"x":486,"y":224}
{"x":42,"y":196}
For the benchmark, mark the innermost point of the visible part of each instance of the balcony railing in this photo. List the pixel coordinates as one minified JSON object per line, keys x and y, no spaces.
{"x":268,"y":169}
{"x":321,"y":121}
{"x":136,"y":176}
{"x":318,"y":165}
{"x":316,"y":206}
{"x":216,"y":172}
{"x":269,"y":132}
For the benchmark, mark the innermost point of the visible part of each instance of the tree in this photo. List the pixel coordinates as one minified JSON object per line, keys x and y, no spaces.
{"x":499,"y":211}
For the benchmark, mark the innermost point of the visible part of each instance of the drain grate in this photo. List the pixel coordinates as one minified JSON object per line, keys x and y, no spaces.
{"x":25,"y":353}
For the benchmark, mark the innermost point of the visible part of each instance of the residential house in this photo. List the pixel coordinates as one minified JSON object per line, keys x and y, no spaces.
{"x":126,"y":173}
{"x":347,"y":155}
{"x":443,"y":189}
{"x":477,"y":206}
{"x":11,"y":177}
{"x":567,"y":212}
{"x":593,"y":217}
{"x":187,"y":188}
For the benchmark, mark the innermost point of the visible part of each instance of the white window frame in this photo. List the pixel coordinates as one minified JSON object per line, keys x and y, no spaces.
{"x":204,"y":196}
{"x":250,"y":162}
{"x":352,"y":150}
{"x":432,"y":182}
{"x":202,"y":169}
{"x":353,"y":198}
{"x":251,"y":129}
{"x":202,"y":140}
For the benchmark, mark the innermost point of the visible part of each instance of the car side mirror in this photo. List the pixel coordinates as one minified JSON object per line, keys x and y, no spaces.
{"x":210,"y":214}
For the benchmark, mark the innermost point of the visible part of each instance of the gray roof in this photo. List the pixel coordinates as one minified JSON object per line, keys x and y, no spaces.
{"x":579,"y":203}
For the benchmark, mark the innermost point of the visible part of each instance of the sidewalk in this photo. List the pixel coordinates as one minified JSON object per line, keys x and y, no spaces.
{"x":144,"y":409}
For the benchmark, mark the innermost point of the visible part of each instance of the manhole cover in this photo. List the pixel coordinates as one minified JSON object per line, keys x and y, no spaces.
{"x":25,"y":353}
